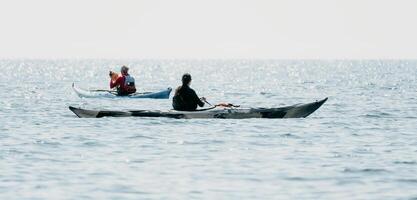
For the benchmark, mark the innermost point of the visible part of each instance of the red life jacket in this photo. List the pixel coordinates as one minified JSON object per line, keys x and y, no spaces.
{"x":125,"y":85}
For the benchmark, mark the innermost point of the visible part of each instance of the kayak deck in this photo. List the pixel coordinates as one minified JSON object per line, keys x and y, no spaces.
{"x":163,"y":94}
{"x":294,"y":111}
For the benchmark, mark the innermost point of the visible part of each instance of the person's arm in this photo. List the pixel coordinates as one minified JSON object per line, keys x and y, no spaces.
{"x":116,"y":83}
{"x":197,"y":100}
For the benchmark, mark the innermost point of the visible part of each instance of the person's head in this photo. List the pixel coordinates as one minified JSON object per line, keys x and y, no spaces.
{"x":186,"y":79}
{"x":124,"y":70}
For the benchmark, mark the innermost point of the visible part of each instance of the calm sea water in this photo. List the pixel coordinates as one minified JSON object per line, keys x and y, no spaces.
{"x":361,"y":144}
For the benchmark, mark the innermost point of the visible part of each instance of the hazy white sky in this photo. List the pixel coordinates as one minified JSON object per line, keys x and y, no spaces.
{"x":280,"y":29}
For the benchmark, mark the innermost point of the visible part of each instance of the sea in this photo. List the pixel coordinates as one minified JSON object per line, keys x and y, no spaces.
{"x":361,"y":144}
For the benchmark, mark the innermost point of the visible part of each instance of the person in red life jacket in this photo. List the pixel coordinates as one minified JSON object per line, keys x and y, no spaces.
{"x":124,"y":83}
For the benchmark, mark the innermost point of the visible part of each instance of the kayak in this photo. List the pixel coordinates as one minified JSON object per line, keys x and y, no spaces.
{"x":294,"y":111}
{"x":164,"y":94}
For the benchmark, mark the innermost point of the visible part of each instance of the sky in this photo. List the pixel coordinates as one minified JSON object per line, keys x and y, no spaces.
{"x":219,"y":29}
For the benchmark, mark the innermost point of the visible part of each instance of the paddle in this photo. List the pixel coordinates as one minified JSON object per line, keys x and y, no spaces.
{"x":205,"y":101}
{"x":99,"y":90}
{"x":114,"y":91}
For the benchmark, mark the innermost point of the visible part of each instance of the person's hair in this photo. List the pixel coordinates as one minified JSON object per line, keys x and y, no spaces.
{"x":186,"y":79}
{"x":124,"y":69}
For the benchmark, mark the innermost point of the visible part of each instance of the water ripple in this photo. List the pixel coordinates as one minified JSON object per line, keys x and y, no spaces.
{"x":362,"y":139}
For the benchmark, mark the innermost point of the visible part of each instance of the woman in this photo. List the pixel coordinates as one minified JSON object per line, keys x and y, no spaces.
{"x":185,"y":98}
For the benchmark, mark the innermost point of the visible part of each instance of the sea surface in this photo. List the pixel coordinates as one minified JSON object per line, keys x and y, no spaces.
{"x":361,"y":144}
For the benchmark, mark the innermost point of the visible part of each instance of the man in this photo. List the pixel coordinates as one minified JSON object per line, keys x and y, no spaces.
{"x":124,"y":83}
{"x":185,"y":98}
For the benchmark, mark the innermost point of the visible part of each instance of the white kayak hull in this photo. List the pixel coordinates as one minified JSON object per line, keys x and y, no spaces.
{"x":163,"y":94}
{"x":295,"y":111}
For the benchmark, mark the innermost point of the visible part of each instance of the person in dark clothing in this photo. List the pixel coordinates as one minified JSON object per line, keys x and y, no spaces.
{"x":185,"y":98}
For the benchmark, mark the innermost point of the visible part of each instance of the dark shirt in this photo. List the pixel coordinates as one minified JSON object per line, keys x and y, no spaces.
{"x":185,"y":99}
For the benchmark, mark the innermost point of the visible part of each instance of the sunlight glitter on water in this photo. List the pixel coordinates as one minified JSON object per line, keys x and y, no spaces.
{"x":360,"y":144}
